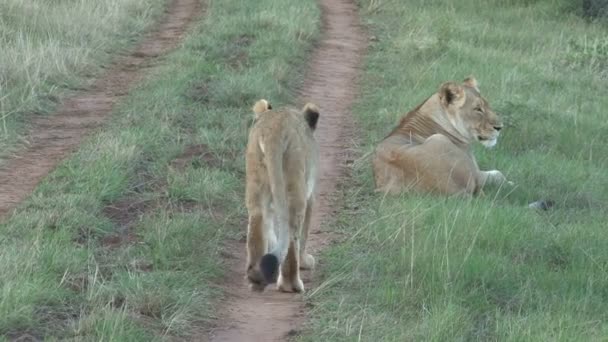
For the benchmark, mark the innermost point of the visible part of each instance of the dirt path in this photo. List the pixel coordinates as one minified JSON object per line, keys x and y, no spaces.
{"x":52,"y":138}
{"x":331,"y":83}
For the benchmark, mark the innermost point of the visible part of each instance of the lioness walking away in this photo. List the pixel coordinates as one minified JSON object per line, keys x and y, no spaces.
{"x":429,"y":151}
{"x":281,"y":161}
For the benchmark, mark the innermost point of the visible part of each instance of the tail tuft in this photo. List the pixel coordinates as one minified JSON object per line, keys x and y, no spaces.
{"x":261,"y":106}
{"x":270,"y":267}
{"x":311,"y":114}
{"x":542,"y":204}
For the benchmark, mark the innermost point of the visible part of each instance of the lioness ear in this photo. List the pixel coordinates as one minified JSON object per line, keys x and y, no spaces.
{"x":452,"y":94}
{"x":471,"y":82}
{"x":260,"y":107}
{"x":311,"y":114}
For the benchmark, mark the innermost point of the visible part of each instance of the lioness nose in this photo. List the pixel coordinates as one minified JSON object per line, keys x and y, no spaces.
{"x":498,"y":128}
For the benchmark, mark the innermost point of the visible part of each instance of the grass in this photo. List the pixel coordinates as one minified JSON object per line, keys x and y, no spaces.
{"x":50,"y":48}
{"x":416,"y":267}
{"x":122,"y":241}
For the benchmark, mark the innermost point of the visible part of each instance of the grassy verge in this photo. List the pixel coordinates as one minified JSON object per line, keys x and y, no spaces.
{"x":427,"y":268}
{"x":122,"y":241}
{"x":52,"y":47}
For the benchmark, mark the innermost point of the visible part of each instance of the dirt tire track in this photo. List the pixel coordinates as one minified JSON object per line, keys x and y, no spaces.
{"x":52,"y":138}
{"x":331,"y":83}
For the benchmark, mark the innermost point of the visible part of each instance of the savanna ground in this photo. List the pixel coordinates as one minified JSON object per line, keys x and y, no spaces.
{"x":422,"y":268}
{"x":122,"y":241}
{"x":51,"y":48}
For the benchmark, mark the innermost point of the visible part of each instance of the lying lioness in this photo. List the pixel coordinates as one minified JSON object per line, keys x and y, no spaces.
{"x":429,"y":151}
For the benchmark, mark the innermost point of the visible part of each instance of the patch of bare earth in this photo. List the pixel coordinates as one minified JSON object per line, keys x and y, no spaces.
{"x":52,"y":138}
{"x":331,"y":83}
{"x":126,"y":212}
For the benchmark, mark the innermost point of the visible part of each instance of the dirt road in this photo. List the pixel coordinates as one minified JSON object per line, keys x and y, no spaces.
{"x":52,"y":138}
{"x":331,"y":83}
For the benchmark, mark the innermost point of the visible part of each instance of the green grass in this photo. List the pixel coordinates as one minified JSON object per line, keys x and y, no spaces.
{"x":76,"y":266}
{"x":50,"y":48}
{"x":414,"y":268}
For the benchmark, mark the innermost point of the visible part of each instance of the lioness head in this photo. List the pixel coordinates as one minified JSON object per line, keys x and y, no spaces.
{"x":469,"y":112}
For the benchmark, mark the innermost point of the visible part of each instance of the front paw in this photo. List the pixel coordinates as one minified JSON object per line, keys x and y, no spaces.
{"x":498,"y":178}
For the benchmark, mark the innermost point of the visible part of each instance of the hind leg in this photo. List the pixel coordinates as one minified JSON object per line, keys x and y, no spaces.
{"x":289,"y":278}
{"x":256,"y":248}
{"x":307,"y":261}
{"x":258,"y":207}
{"x":387,"y":177}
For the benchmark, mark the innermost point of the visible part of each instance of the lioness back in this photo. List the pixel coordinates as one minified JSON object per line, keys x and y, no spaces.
{"x":281,"y":163}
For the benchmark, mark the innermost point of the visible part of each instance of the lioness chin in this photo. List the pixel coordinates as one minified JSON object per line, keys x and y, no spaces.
{"x":430,"y":149}
{"x":281,"y":162}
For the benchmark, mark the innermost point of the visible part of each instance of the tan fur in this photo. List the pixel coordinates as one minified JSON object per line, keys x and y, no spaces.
{"x":429,"y":151}
{"x":260,"y":107}
{"x":281,"y":165}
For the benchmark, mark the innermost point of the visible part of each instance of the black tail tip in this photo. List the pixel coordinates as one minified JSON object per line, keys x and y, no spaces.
{"x":270,"y":266}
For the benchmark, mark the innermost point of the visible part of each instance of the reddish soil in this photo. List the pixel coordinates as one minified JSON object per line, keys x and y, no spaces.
{"x":331,"y":83}
{"x":52,"y":138}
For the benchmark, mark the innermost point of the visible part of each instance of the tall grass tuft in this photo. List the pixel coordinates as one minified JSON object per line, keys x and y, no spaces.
{"x":51,"y":47}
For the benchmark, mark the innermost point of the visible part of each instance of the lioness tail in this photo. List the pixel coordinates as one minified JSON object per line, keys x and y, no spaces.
{"x":311,"y":114}
{"x":273,"y":158}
